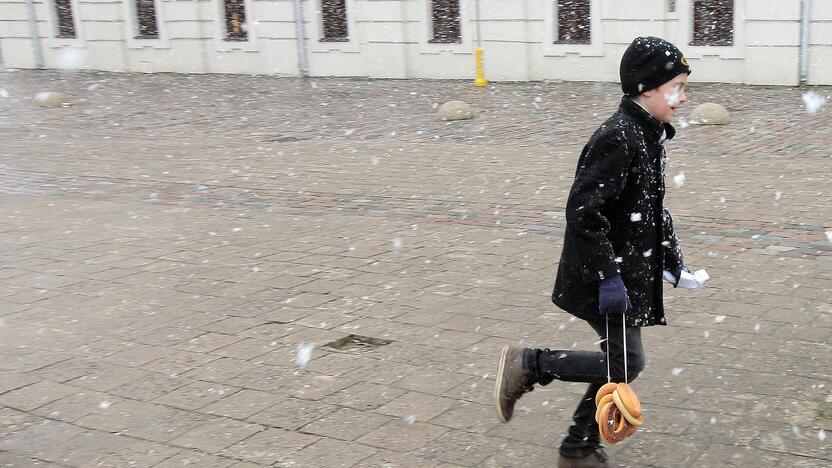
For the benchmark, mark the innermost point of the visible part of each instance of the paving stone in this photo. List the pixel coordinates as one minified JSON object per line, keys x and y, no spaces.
{"x":35,"y":395}
{"x":193,"y":458}
{"x":220,"y":370}
{"x":346,"y":424}
{"x":399,"y":435}
{"x":12,"y":420}
{"x":421,"y":405}
{"x":109,"y":377}
{"x":77,"y":405}
{"x":245,"y":349}
{"x":293,"y":413}
{"x":152,"y":386}
{"x":270,"y":446}
{"x":216,"y":434}
{"x":364,"y":396}
{"x":243,"y":404}
{"x":195,"y":395}
{"x":144,"y":420}
{"x":460,"y":447}
{"x":330,"y":452}
{"x":470,"y":417}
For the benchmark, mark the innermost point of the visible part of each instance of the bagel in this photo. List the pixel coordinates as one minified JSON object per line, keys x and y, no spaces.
{"x":604,"y":400}
{"x":605,"y":389}
{"x":626,"y":411}
{"x":630,"y":399}
{"x":607,"y":426}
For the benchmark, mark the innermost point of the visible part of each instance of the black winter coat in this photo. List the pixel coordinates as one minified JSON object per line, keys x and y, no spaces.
{"x":615,"y":219}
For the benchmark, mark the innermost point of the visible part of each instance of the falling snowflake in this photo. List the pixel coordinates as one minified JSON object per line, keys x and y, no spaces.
{"x":829,"y":236}
{"x":719,"y":318}
{"x":635,"y":217}
{"x":4,"y":93}
{"x":397,"y":243}
{"x":104,"y":404}
{"x":304,"y":354}
{"x":713,"y":420}
{"x":679,"y":179}
{"x":677,"y":370}
{"x":813,"y":101}
{"x":821,"y":435}
{"x":778,"y":195}
{"x":410,"y":420}
{"x":648,"y":253}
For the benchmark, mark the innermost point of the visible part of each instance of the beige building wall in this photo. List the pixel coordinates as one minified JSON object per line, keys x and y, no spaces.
{"x":389,"y":39}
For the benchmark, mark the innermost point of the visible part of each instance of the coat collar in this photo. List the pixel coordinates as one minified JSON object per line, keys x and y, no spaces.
{"x":653,"y":128}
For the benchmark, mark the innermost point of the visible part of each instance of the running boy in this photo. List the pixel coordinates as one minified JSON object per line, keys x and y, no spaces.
{"x":618,"y":245}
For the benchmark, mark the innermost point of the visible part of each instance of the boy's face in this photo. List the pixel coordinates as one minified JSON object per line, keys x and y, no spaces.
{"x":663,"y":101}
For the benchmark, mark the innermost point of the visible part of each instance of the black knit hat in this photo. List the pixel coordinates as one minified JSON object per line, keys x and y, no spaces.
{"x":648,"y":63}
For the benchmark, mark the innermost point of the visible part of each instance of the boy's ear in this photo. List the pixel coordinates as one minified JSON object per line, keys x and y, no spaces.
{"x":650,"y":92}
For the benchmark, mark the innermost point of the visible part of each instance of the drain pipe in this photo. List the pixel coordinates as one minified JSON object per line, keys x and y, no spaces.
{"x":302,"y":66}
{"x":805,"y":26}
{"x":37,"y":49}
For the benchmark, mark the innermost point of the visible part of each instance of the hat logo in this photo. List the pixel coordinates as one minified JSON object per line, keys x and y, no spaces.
{"x":684,"y":62}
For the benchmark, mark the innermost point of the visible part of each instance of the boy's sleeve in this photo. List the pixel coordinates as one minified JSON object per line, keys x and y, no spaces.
{"x":673,"y":258}
{"x":600,"y":179}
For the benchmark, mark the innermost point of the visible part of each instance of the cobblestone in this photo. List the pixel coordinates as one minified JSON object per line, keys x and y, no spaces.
{"x":170,"y":241}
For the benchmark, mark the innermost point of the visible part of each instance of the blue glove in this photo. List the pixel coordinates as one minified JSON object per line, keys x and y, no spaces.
{"x":612,"y":296}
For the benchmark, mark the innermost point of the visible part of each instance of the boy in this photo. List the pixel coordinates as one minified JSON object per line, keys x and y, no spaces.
{"x":618,"y":245}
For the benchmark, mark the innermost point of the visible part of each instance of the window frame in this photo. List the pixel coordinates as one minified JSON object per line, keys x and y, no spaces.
{"x":53,"y":41}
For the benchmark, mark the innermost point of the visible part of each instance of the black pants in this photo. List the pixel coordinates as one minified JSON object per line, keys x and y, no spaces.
{"x":571,"y":365}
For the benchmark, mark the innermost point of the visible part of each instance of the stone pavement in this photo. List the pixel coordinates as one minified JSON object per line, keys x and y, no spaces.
{"x":169,"y":242}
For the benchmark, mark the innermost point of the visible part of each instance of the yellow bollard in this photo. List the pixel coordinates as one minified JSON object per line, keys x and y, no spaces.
{"x":480,"y":80}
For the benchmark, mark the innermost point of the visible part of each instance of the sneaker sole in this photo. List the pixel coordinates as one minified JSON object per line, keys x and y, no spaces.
{"x":498,"y":385}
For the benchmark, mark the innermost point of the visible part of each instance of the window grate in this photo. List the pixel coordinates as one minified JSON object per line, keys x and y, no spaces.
{"x":447,"y":28}
{"x":146,"y":15}
{"x":713,"y":23}
{"x":334,"y":15}
{"x":66,"y":21}
{"x":573,"y":25}
{"x":235,"y":20}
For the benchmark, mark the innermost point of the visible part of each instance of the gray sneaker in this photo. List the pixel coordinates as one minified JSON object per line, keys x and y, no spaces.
{"x":512,"y":382}
{"x":596,"y":459}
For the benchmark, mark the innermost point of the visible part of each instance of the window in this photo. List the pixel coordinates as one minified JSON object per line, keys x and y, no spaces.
{"x":713,"y":23}
{"x":66,"y":22}
{"x":446,"y":22}
{"x":235,"y":20}
{"x":146,"y":14}
{"x":572,"y":25}
{"x":334,"y":13}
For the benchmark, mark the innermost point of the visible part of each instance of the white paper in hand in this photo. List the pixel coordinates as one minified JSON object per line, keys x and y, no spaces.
{"x":693,"y":281}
